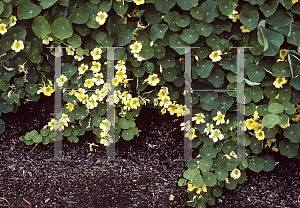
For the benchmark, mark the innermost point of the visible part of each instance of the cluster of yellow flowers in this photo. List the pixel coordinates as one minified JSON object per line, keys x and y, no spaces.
{"x":234,"y":17}
{"x":106,"y":138}
{"x":60,"y":124}
{"x":201,"y":188}
{"x":231,"y":154}
{"x":12,"y":22}
{"x":269,"y":144}
{"x":297,"y":116}
{"x":136,"y":48}
{"x":252,"y":124}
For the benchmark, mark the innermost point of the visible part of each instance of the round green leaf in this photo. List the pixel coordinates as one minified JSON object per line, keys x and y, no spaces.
{"x":73,"y":139}
{"x":256,"y":164}
{"x":208,"y":151}
{"x":4,"y":85}
{"x":255,"y":73}
{"x":221,"y":174}
{"x":190,"y":174}
{"x":249,"y":19}
{"x":204,"y":29}
{"x":269,"y":9}
{"x":197,"y":180}
{"x":207,"y":100}
{"x":61,"y":28}
{"x":295,"y":82}
{"x":249,"y":109}
{"x":79,"y":16}
{"x":27,"y":10}
{"x":33,"y":134}
{"x":138,"y":72}
{"x":31,"y":89}
{"x":257,"y":48}
{"x":205,"y":164}
{"x":190,"y":36}
{"x":288,"y":149}
{"x":44,"y":132}
{"x":36,"y":58}
{"x":147,"y":52}
{"x":187,"y":4}
{"x":105,"y":5}
{"x":159,"y":51}
{"x":273,"y":40}
{"x":270,"y":92}
{"x":197,"y":13}
{"x":152,"y":16}
{"x":182,"y":20}
{"x":127,"y":134}
{"x":158,"y":31}
{"x":281,"y":69}
{"x":164,"y":6}
{"x":275,"y":108}
{"x":74,"y":40}
{"x":280,"y":21}
{"x":169,"y":74}
{"x":2,"y":126}
{"x":226,"y":7}
{"x":292,"y":133}
{"x":217,"y":191}
{"x":229,"y":146}
{"x":210,"y":9}
{"x":294,"y":35}
{"x":148,"y":67}
{"x":47,"y":3}
{"x":270,"y":120}
{"x":269,"y":163}
{"x":209,"y":179}
{"x":1,"y":7}
{"x":167,"y":61}
{"x":45,"y":140}
{"x":120,"y":7}
{"x":124,"y":124}
{"x":37,"y":139}
{"x":125,"y":37}
{"x":216,"y":78}
{"x":256,"y":145}
{"x":40,"y":26}
{"x":223,"y":103}
{"x":192,"y":164}
{"x":256,"y":93}
{"x":288,"y":108}
{"x":176,"y":41}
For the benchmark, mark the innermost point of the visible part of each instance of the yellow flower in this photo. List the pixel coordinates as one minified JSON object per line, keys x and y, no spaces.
{"x":269,"y":142}
{"x":106,"y":140}
{"x":180,"y":110}
{"x":235,"y":174}
{"x":115,"y":82}
{"x":101,"y":17}
{"x":219,"y":118}
{"x":96,"y":67}
{"x":191,"y":134}
{"x":98,"y":79}
{"x":70,"y":106}
{"x":185,"y":126}
{"x":275,"y":149}
{"x":105,"y":125}
{"x":216,"y":134}
{"x":163,"y":110}
{"x":88,"y":83}
{"x":244,"y":29}
{"x":232,"y":153}
{"x":234,"y":16}
{"x":12,"y":20}
{"x":121,"y":75}
{"x":260,"y":135}
{"x":201,"y":188}
{"x":216,"y":56}
{"x":134,"y":103}
{"x":83,"y":68}
{"x":61,"y":80}
{"x":279,"y":82}
{"x":46,"y":39}
{"x":284,"y":126}
{"x":277,"y":97}
{"x":78,"y":58}
{"x":152,"y":80}
{"x":92,"y":103}
{"x":255,"y":116}
{"x":191,"y":187}
{"x":296,"y":108}
{"x":72,"y":92}
{"x":136,"y":47}
{"x":96,"y":53}
{"x":283,"y":53}
{"x":3,"y":29}
{"x":172,"y":109}
{"x":209,"y":128}
{"x":258,"y":127}
{"x":165,"y":102}
{"x":250,"y":124}
{"x":48,"y":90}
{"x":139,"y":2}
{"x":52,"y":123}
{"x":70,"y":51}
{"x":296,"y":118}
{"x":199,"y":118}
{"x":17,"y":46}
{"x":294,"y":1}
{"x":120,"y":65}
{"x":65,"y":117}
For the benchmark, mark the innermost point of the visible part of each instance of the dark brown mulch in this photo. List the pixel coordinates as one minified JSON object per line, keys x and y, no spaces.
{"x":145,"y":177}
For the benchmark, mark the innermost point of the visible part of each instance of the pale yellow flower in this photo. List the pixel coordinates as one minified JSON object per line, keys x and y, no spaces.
{"x":235,"y":174}
{"x":215,"y":56}
{"x":83,"y":68}
{"x":17,"y":46}
{"x":78,"y":57}
{"x":3,"y":29}
{"x":121,"y":75}
{"x":96,"y":53}
{"x":139,"y":2}
{"x":47,"y":39}
{"x":209,"y":128}
{"x":89,"y":83}
{"x":250,"y":124}
{"x":70,"y":51}
{"x":60,"y":81}
{"x":152,"y":79}
{"x":98,"y":79}
{"x":260,"y":135}
{"x":107,"y":140}
{"x":191,"y":134}
{"x":70,"y":106}
{"x":283,"y":53}
{"x":163,"y":110}
{"x":134,"y":103}
{"x":12,"y":20}
{"x":96,"y":67}
{"x":172,"y":109}
{"x":279,"y":82}
{"x":219,"y":118}
{"x":120,"y":65}
{"x":244,"y":29}
{"x":216,"y":135}
{"x":101,"y":17}
{"x":52,"y":124}
{"x":165,"y":102}
{"x":199,"y":118}
{"x":234,"y":16}
{"x":136,"y":47}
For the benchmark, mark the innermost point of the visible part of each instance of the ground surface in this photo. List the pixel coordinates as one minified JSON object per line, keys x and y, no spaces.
{"x":146,"y":176}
